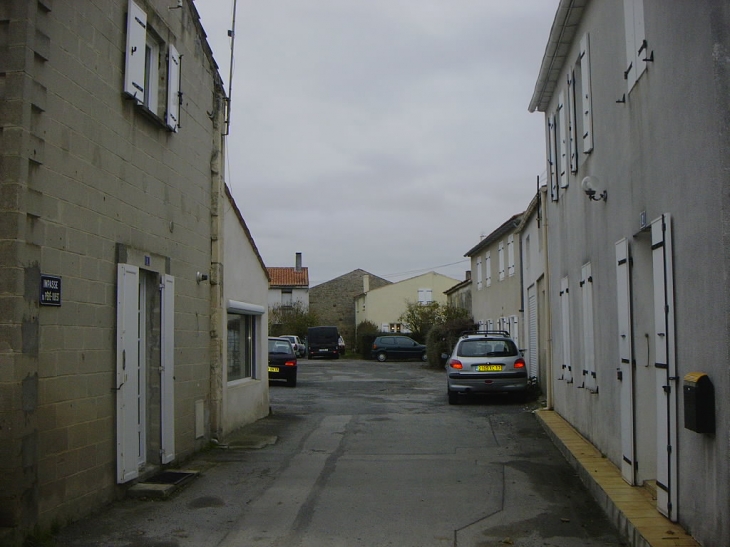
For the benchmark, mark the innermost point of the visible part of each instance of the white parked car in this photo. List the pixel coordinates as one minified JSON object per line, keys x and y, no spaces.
{"x":300,"y":349}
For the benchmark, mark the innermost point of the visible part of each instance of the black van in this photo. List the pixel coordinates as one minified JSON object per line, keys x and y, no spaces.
{"x":323,"y":342}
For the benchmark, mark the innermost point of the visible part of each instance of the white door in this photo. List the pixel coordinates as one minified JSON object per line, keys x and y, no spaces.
{"x":625,"y":369}
{"x":132,"y":372}
{"x":532,"y":334}
{"x":167,"y":381}
{"x":128,"y":416}
{"x":666,"y":366}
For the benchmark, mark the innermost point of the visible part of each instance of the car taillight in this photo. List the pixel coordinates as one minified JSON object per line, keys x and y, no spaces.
{"x":520,"y":363}
{"x":294,"y":363}
{"x":456,"y":364}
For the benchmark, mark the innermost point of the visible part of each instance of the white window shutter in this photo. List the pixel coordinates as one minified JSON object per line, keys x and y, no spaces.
{"x":126,"y":378}
{"x":553,"y":166}
{"x":168,"y":369}
{"x":135,"y":54}
{"x":634,"y":23}
{"x":488,"y":268}
{"x":501,"y":260}
{"x":511,"y":255}
{"x":172,"y":117}
{"x":563,"y":137}
{"x":479,"y":274}
{"x":514,"y":329}
{"x":565,"y":324}
{"x":586,"y":106}
{"x":572,"y":127}
{"x":639,"y":37}
{"x":589,"y":358}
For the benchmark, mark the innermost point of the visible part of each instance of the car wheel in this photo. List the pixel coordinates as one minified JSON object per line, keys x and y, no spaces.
{"x":292,"y":380}
{"x":453,"y":397}
{"x":381,"y":356}
{"x":424,"y":357}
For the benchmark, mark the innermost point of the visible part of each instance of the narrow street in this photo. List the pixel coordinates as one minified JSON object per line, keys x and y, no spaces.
{"x":367,"y":453}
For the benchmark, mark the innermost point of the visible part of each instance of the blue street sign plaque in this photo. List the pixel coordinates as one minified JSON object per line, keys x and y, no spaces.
{"x":50,"y":290}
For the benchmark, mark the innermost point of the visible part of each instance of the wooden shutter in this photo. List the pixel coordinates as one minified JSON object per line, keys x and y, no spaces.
{"x":625,"y":369}
{"x":552,"y":157}
{"x":134,"y":70}
{"x":634,"y":26}
{"x":666,"y":366}
{"x":572,"y":127}
{"x":565,"y":324}
{"x":514,"y":329}
{"x":172,"y":113}
{"x":586,"y":100}
{"x":488,"y":268}
{"x":479,"y":274}
{"x":500,"y":250}
{"x":126,"y":377}
{"x":589,"y":357}
{"x":563,"y":138}
{"x":511,"y":255}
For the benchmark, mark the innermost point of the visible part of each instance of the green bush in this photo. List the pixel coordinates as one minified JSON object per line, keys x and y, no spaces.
{"x":367,"y":331}
{"x":442,"y":338}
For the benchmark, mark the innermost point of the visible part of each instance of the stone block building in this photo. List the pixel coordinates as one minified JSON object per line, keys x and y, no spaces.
{"x":111,"y":230}
{"x":334,"y":301}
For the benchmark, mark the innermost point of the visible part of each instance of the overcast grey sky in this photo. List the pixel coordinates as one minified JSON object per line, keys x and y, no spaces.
{"x":387,"y":135}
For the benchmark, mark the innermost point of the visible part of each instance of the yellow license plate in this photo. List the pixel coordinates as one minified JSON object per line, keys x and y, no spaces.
{"x":489,"y":368}
{"x":273,"y":369}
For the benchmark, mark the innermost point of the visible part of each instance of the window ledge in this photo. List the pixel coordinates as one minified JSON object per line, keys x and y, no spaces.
{"x":242,"y":382}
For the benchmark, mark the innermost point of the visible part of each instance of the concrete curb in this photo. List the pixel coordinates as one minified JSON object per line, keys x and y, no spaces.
{"x":631,"y":509}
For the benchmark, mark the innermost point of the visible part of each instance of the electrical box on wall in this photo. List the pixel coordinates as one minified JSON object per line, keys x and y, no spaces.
{"x":699,"y":403}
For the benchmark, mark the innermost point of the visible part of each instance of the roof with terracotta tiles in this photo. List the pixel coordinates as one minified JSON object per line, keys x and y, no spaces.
{"x":288,"y":277}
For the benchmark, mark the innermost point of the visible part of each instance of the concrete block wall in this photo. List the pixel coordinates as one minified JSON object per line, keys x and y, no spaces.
{"x":83,"y":171}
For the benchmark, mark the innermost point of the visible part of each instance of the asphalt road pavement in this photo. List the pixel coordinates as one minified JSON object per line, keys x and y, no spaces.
{"x":363,"y":453}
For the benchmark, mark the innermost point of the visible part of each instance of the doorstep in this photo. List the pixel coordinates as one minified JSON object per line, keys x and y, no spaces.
{"x":163,"y":485}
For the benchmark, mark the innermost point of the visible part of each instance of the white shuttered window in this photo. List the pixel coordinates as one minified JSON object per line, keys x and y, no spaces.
{"x":636,"y":50}
{"x":586,"y":106}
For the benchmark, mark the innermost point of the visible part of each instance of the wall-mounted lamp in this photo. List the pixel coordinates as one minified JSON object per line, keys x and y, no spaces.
{"x":200,"y":277}
{"x":589,"y":185}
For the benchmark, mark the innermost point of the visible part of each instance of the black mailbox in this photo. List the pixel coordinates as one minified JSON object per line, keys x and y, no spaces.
{"x":699,"y":403}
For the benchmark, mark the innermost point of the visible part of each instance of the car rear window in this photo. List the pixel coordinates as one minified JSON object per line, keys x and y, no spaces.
{"x":279,"y":346}
{"x":480,"y":347}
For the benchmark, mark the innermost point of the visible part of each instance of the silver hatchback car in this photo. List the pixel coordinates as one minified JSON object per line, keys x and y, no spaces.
{"x":485,"y":362}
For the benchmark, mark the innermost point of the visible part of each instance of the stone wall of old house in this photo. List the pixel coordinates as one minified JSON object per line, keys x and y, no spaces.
{"x":333,"y":301}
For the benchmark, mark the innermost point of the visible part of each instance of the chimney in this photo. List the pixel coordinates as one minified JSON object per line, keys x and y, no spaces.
{"x":366,"y":283}
{"x":468,"y":275}
{"x":298,"y":267}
